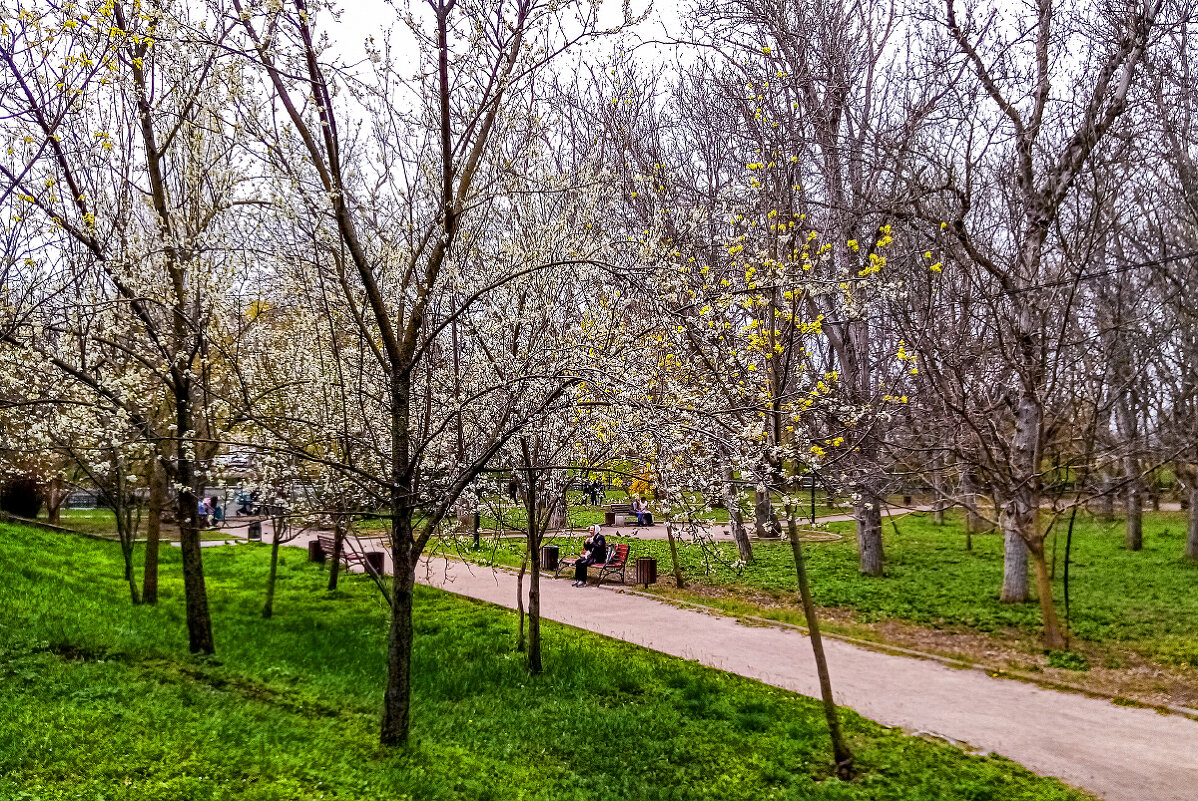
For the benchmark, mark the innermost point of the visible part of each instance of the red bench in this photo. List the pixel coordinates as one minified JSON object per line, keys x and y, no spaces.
{"x":617,"y":558}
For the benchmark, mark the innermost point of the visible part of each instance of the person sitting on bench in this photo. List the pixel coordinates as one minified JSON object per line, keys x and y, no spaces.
{"x":594,"y":552}
{"x":640,"y":508}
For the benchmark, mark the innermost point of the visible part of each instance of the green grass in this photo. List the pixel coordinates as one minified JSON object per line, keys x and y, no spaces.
{"x":514,"y":517}
{"x":99,"y":700}
{"x":102,"y":522}
{"x":1143,"y":600}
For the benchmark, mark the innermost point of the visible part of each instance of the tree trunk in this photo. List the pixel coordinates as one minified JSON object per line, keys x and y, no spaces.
{"x":126,"y":533}
{"x":1053,"y":639}
{"x":674,"y":556}
{"x":534,"y":610}
{"x":766,"y":521}
{"x":397,"y":694}
{"x":199,"y":623}
{"x":735,"y":521}
{"x":869,"y":535}
{"x":338,"y":543}
{"x":55,"y":494}
{"x":1014,"y":576}
{"x":840,"y":750}
{"x":1192,"y":529}
{"x":1106,"y":503}
{"x":520,"y":598}
{"x":1135,"y":518}
{"x":149,"y":579}
{"x":269,"y":608}
{"x":973,"y":520}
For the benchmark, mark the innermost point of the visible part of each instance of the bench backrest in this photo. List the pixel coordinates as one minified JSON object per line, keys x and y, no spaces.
{"x":326,"y":542}
{"x":621,"y":508}
{"x":619,"y":555}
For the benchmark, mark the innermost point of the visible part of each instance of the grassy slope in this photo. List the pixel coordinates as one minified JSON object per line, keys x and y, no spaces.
{"x":1143,"y":600}
{"x":99,"y":700}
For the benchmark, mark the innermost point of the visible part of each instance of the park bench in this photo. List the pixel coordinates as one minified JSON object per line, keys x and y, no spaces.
{"x":350,"y":555}
{"x":618,"y":514}
{"x":617,"y":558}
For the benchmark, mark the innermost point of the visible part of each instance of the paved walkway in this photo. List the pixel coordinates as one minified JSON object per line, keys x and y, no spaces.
{"x":1118,"y":753}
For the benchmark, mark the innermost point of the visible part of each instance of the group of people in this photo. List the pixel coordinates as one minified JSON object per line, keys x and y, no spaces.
{"x":640,"y":508}
{"x":209,"y":512}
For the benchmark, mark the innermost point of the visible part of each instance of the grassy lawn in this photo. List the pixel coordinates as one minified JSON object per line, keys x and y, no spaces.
{"x":99,"y":699}
{"x":1146,"y":601}
{"x":581,"y":514}
{"x":102,"y":523}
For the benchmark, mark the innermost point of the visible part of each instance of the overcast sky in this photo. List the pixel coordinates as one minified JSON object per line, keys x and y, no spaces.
{"x":361,"y":19}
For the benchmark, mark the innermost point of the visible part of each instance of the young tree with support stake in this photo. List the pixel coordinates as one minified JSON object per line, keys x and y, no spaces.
{"x":404,"y":286}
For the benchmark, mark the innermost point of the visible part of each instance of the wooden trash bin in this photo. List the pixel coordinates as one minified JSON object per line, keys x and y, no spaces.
{"x":374,"y":562}
{"x":254,"y":532}
{"x":315,"y":552}
{"x":646,"y":570}
{"x":549,"y":557}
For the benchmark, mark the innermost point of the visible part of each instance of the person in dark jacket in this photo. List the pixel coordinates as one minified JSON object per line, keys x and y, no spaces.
{"x":594,"y":552}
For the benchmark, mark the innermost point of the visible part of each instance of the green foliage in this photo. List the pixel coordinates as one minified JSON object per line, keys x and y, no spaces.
{"x":99,"y":699}
{"x":1068,"y":660}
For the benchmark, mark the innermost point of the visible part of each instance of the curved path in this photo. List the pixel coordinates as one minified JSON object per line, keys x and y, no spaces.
{"x":1118,"y":753}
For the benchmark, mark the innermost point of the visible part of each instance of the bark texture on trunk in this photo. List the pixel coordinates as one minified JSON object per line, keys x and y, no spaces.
{"x":268,"y":609}
{"x":678,"y":581}
{"x":149,"y":579}
{"x":735,"y":520}
{"x":520,"y":598}
{"x":397,"y":697}
{"x":1048,"y":611}
{"x":841,"y":754}
{"x":199,"y":623}
{"x":1134,"y":536}
{"x":868,"y":512}
{"x":1192,"y":529}
{"x":338,"y":545}
{"x":765,"y":521}
{"x":534,"y":611}
{"x":1014,"y":574}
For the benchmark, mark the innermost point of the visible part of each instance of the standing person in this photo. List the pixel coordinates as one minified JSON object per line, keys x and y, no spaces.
{"x":218,"y":511}
{"x":202,"y":512}
{"x":596,"y":491}
{"x":594,"y":552}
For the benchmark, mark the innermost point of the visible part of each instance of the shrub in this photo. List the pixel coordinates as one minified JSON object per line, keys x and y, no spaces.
{"x":21,"y":496}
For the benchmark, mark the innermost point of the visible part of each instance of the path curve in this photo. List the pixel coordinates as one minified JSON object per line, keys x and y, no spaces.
{"x":1118,"y":753}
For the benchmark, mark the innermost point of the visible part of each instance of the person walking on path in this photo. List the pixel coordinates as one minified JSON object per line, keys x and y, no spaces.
{"x":594,"y":552}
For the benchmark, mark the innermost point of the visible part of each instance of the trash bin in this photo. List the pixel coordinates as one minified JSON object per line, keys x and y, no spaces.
{"x":646,"y":570}
{"x":255,"y":531}
{"x":315,"y":552}
{"x":374,"y":562}
{"x":549,"y":555}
